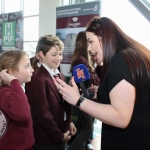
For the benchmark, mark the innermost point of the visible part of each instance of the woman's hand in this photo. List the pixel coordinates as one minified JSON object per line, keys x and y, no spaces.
{"x":7,"y":78}
{"x":70,"y":94}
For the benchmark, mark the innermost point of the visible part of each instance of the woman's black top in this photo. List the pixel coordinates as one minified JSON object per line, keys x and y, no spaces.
{"x":136,"y":136}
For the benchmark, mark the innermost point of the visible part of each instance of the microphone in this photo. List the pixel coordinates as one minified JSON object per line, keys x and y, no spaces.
{"x":82,"y":77}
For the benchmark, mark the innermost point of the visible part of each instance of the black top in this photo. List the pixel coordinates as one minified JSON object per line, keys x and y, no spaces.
{"x":136,"y":136}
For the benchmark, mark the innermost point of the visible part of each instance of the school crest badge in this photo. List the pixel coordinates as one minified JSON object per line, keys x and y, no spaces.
{"x":3,"y":124}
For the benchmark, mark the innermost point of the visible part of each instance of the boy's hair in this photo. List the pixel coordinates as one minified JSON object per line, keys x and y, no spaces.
{"x":10,"y":59}
{"x":46,"y":42}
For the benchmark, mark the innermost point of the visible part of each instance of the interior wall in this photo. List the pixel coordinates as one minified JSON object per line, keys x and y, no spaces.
{"x":47,"y":17}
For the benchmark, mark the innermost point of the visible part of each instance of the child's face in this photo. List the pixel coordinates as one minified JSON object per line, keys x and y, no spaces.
{"x":25,"y":70}
{"x":53,"y":58}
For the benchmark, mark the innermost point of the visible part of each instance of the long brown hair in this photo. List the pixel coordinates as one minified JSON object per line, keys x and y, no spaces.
{"x":115,"y":40}
{"x":10,"y":59}
{"x":81,"y":49}
{"x":34,"y":64}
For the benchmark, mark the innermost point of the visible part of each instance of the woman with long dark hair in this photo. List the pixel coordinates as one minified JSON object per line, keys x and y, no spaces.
{"x":124,"y":93}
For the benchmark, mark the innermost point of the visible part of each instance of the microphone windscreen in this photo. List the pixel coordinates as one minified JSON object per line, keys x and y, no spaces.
{"x":81,"y":73}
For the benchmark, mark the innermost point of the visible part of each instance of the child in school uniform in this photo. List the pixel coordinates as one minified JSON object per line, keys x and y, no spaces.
{"x":51,"y":114}
{"x":16,"y":131}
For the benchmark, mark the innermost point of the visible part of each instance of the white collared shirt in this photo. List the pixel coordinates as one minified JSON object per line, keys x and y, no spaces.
{"x":51,"y":72}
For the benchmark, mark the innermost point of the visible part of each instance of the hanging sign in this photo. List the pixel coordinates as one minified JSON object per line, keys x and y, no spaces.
{"x":8,"y":35}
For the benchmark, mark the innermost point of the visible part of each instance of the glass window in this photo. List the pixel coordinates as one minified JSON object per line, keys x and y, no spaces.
{"x":31,"y":7}
{"x":142,"y":6}
{"x":0,"y":6}
{"x":30,"y":48}
{"x":65,"y":2}
{"x":146,"y":3}
{"x":31,"y":28}
{"x":89,"y":0}
{"x":77,"y":1}
{"x":11,"y":6}
{"x":69,"y":2}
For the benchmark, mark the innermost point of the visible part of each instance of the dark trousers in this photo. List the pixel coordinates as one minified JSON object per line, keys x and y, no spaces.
{"x":59,"y":146}
{"x":84,"y":131}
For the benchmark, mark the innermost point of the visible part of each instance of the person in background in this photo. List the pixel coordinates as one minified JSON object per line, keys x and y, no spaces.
{"x":98,"y":67}
{"x":35,"y":63}
{"x":85,"y":121}
{"x":51,"y":114}
{"x":124,"y":93}
{"x":15,"y":117}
